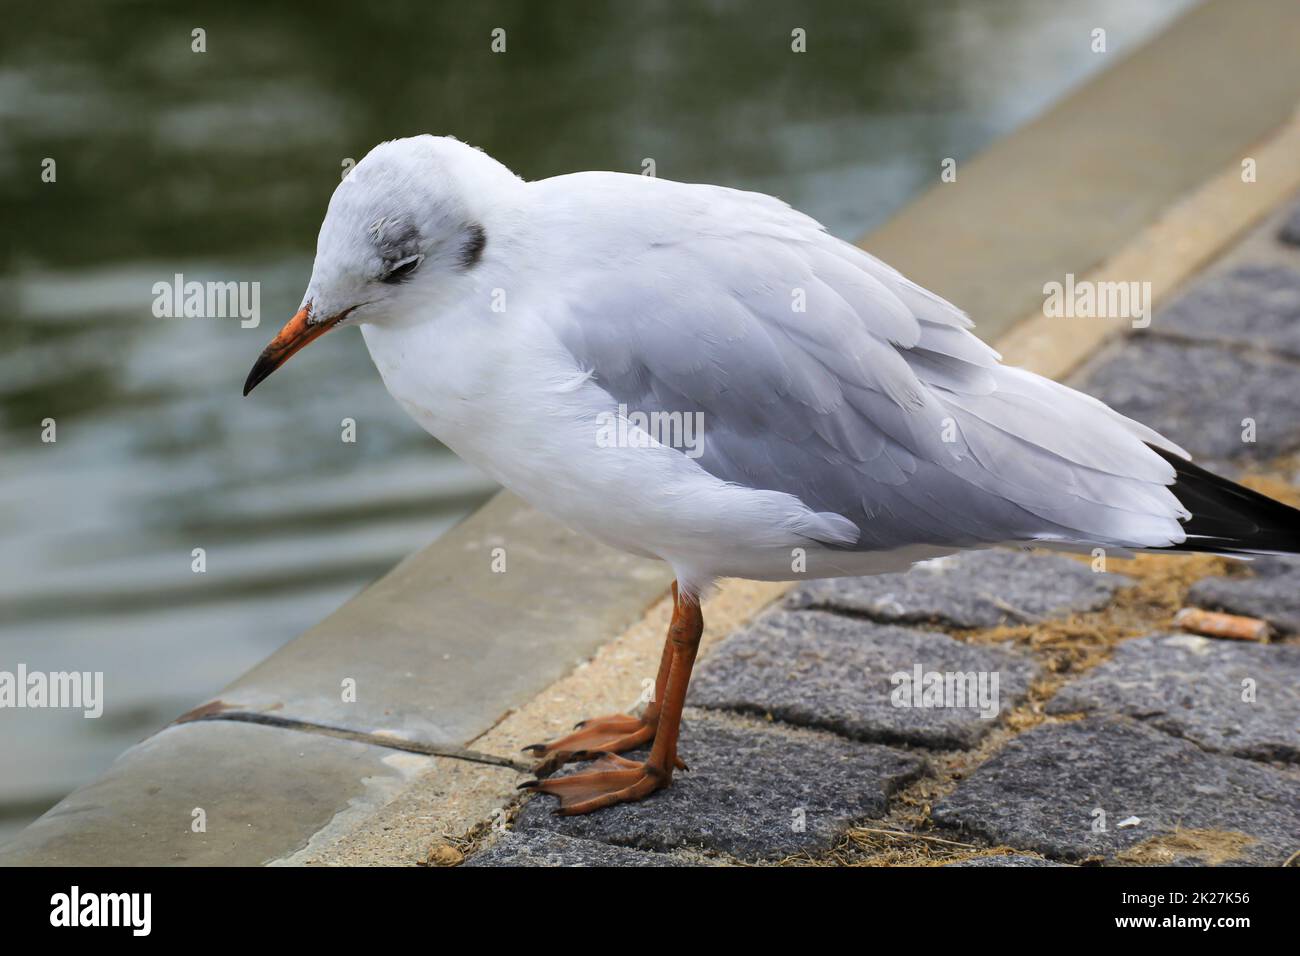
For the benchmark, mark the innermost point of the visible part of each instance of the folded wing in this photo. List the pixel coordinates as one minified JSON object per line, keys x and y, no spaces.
{"x":821,"y":372}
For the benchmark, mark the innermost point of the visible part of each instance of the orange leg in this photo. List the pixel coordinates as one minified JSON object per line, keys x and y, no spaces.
{"x":614,"y":779}
{"x":613,"y":733}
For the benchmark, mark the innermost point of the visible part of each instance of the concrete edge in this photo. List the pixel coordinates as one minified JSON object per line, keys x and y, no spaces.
{"x":1186,"y":237}
{"x":1077,"y":182}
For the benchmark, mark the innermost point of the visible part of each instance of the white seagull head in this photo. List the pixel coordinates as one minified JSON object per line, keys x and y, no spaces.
{"x":402,"y":228}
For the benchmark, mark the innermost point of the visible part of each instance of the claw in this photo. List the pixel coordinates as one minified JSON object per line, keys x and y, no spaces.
{"x":600,"y":735}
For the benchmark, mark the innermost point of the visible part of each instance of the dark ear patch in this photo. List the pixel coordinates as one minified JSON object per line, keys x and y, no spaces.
{"x":395,"y":238}
{"x":472,"y":250}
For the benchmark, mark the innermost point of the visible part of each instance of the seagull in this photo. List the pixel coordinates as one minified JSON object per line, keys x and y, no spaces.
{"x":565,"y":336}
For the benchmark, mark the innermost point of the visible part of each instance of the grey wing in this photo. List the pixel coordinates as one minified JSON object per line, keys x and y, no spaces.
{"x":823,"y":373}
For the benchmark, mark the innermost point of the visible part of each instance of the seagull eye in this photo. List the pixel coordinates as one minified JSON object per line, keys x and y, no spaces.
{"x":401,"y":271}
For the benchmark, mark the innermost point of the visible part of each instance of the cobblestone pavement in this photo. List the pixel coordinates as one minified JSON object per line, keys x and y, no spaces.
{"x":1110,"y":737}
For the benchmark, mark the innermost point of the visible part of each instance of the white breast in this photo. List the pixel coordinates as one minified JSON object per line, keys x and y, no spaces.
{"x":513,"y":403}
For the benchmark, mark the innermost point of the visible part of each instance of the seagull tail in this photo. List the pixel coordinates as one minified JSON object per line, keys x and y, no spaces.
{"x":1228,"y":518}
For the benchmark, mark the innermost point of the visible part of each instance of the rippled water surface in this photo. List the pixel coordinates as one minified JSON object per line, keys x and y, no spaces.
{"x":218,"y":165}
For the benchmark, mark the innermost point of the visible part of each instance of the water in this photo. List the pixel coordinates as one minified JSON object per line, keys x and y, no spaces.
{"x":218,"y":165}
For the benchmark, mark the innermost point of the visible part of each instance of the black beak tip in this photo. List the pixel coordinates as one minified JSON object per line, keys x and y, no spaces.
{"x":255,"y":378}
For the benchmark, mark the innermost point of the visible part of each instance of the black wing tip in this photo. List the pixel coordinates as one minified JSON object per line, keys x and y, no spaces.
{"x":1227,"y":517}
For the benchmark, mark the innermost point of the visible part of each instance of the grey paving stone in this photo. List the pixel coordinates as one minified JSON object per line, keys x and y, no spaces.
{"x":970,"y":589}
{"x":1192,"y":687}
{"x":1040,"y":792}
{"x":1198,"y":395}
{"x":754,"y":791}
{"x":1290,"y":231}
{"x":828,"y":671}
{"x":1271,"y":592}
{"x":544,"y":848}
{"x":1253,"y":305}
{"x":1016,"y":860}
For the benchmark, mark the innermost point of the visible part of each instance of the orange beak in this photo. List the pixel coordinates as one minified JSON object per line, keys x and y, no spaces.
{"x":296,"y":333}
